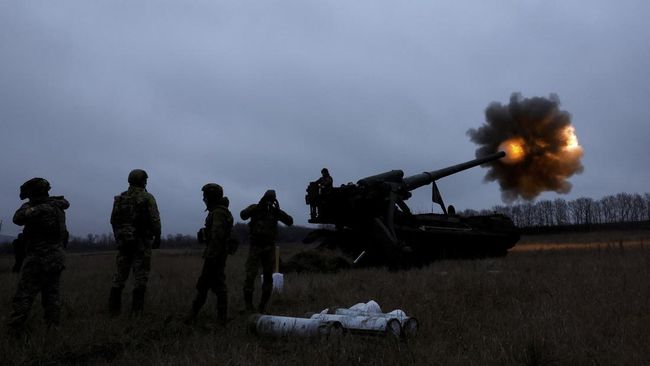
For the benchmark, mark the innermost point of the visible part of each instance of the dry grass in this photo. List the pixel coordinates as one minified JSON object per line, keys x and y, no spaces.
{"x":591,"y":237}
{"x":530,"y":308}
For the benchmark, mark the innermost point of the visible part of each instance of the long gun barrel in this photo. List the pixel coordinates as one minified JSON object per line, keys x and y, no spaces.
{"x":418,"y":180}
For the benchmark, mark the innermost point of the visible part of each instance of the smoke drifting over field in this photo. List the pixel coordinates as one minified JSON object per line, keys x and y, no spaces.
{"x":541,"y":146}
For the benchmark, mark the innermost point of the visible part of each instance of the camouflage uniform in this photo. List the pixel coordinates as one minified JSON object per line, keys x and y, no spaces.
{"x":216,"y":236}
{"x":44,"y":237}
{"x":325,"y":182}
{"x":136,"y":226}
{"x":263,"y":226}
{"x":315,"y":192}
{"x":19,"y":253}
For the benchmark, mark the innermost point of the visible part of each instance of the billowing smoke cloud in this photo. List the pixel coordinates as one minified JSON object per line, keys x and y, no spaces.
{"x":541,"y":146}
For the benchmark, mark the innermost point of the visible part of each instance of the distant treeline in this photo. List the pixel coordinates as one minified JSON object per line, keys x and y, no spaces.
{"x":94,"y":242}
{"x":614,"y":211}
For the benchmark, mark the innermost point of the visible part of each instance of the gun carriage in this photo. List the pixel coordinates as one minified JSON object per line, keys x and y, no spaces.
{"x":370,"y":221}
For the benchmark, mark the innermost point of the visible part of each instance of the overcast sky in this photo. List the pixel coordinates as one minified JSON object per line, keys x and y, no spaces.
{"x":263,"y":94}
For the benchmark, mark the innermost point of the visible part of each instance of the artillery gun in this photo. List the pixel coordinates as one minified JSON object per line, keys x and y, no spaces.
{"x":371,"y":222}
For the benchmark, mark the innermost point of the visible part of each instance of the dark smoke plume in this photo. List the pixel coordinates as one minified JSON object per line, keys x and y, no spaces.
{"x":544,"y":150}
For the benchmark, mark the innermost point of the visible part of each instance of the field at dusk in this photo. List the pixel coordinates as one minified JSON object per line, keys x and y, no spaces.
{"x":539,"y":305}
{"x":380,"y":127}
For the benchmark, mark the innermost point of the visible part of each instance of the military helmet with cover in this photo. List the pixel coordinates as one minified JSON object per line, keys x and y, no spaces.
{"x":212,"y":190}
{"x":138,"y":178}
{"x":34,"y":187}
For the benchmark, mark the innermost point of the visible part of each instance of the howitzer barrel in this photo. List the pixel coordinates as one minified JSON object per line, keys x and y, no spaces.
{"x":394,"y":176}
{"x":418,"y":180}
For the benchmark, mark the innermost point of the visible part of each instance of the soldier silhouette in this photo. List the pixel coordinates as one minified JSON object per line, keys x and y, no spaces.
{"x":264,"y":217}
{"x":44,"y":237}
{"x":136,"y":226}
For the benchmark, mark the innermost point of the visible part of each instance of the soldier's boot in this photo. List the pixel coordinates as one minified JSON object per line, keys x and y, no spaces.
{"x":197,"y":304}
{"x":52,"y":319}
{"x":115,"y":301}
{"x":137,"y":306}
{"x":264,"y":300}
{"x":222,"y":309}
{"x":248,"y":301}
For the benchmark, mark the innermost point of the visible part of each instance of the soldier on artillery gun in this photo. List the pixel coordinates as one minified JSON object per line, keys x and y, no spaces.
{"x":316,"y":190}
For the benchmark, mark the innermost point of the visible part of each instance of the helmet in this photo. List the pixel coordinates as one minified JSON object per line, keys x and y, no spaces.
{"x":212,"y":190}
{"x":34,"y":187}
{"x":324,"y":171}
{"x":138,"y":177}
{"x":268,"y":195}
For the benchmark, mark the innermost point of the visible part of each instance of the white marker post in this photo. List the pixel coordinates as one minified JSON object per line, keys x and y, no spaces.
{"x":278,"y":278}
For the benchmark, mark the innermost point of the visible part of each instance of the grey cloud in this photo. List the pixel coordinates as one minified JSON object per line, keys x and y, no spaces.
{"x":262,"y":95}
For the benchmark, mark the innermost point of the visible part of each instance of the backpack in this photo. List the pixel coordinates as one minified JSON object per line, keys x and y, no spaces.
{"x":128,"y":216}
{"x":52,"y":222}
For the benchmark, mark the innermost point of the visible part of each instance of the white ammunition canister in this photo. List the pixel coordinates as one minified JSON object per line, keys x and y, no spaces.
{"x":369,"y":325}
{"x":409,"y":324}
{"x":368,"y":307}
{"x":284,"y":326}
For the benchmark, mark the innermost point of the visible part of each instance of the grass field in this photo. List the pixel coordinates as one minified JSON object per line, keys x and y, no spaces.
{"x":534,"y":307}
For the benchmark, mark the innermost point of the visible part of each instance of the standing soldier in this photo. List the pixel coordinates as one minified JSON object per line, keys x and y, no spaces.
{"x":325,"y":182}
{"x":44,"y":237}
{"x":263,"y":226}
{"x":136,"y":226}
{"x":216,"y":237}
{"x":316,"y":190}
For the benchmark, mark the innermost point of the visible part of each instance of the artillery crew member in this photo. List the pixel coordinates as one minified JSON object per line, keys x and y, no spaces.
{"x":136,"y":226}
{"x":216,"y":235}
{"x":325,"y":182}
{"x":44,"y":237}
{"x":264,"y":217}
{"x":316,"y":189}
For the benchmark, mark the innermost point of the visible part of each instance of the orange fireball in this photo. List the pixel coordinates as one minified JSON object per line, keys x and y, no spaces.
{"x":570,"y":138}
{"x":514,"y":149}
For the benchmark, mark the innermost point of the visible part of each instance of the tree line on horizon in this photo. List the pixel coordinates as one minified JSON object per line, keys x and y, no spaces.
{"x":106,"y":241}
{"x":611,"y":209}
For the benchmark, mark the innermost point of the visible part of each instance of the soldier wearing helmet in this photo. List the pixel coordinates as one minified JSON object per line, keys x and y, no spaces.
{"x":315,"y":192}
{"x":136,"y":227}
{"x":264,"y":217}
{"x":325,"y":182}
{"x":138,"y":178}
{"x":44,"y":238}
{"x":216,"y":235}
